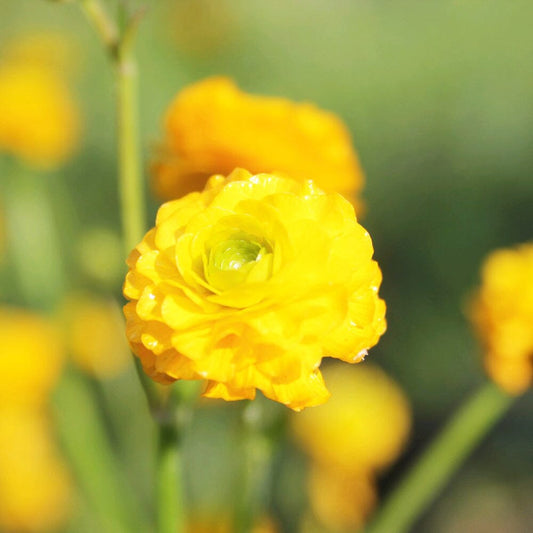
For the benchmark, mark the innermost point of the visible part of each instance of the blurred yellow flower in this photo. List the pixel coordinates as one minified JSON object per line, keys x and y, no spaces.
{"x":365,"y":425}
{"x":31,"y":358}
{"x":94,"y":329}
{"x":212,"y":127}
{"x":249,"y":284}
{"x":502,"y":313}
{"x":339,"y":499}
{"x":40,"y":121}
{"x":35,"y":487}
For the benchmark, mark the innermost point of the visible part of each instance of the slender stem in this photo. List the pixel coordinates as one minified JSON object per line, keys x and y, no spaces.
{"x":169,"y":491}
{"x":130,"y":182}
{"x":105,"y":26}
{"x":87,"y":445}
{"x":131,"y":190}
{"x":257,"y":456}
{"x":130,"y":179}
{"x":443,"y":457}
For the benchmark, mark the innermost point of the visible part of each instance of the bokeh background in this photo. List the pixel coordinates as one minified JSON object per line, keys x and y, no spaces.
{"x":439,"y":99}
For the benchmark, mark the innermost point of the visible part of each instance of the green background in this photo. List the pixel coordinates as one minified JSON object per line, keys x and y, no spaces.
{"x":439,"y":98}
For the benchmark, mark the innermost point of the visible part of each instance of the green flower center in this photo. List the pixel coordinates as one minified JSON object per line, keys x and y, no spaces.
{"x":236,"y":260}
{"x":233,"y":254}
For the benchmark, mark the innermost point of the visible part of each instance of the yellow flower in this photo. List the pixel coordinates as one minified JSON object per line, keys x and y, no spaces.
{"x":94,"y":331}
{"x":502,"y":313}
{"x":363,"y":428}
{"x":212,"y":127}
{"x":31,"y":358}
{"x":249,"y":284}
{"x":40,"y":122}
{"x":339,"y":499}
{"x":34,"y":485}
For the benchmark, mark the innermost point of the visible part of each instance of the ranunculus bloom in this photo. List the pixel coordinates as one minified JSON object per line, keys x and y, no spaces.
{"x":212,"y":127}
{"x":249,"y":284}
{"x":35,"y":488}
{"x":31,"y":358}
{"x":39,"y":119}
{"x":502,"y":313}
{"x":363,"y":428}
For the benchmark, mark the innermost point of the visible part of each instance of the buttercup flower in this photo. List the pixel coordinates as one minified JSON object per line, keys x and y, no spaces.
{"x":502,"y":313}
{"x":31,"y":358}
{"x":40,"y":121}
{"x":212,"y":127}
{"x":35,"y":487}
{"x":363,"y":428}
{"x":249,"y":284}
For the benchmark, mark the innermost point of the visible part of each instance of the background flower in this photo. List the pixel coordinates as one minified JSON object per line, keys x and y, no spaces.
{"x":502,"y":313}
{"x":363,"y":427}
{"x":31,"y":358}
{"x":212,"y":127}
{"x":350,"y":440}
{"x":249,"y":284}
{"x":40,"y":118}
{"x":35,"y":487}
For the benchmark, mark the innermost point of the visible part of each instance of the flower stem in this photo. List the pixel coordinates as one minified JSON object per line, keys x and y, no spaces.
{"x":169,"y":497}
{"x":130,"y":179}
{"x":442,"y":458}
{"x":120,"y":47}
{"x":257,"y":456}
{"x":130,"y":183}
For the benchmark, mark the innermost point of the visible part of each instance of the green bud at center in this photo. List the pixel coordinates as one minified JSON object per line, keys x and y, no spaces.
{"x":231,"y":262}
{"x":233,"y":254}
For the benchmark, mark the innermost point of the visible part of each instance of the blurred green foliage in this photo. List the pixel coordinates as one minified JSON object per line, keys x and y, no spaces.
{"x":438,"y":96}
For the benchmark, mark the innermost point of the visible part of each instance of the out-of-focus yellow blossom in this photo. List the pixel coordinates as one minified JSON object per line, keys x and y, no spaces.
{"x":365,"y":425}
{"x":95,"y":338}
{"x":40,"y":121}
{"x":212,"y":127}
{"x":31,"y":358}
{"x":339,"y":499}
{"x":34,"y":485}
{"x":249,"y":284}
{"x":502,"y":313}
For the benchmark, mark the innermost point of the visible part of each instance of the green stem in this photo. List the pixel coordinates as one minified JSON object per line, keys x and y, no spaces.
{"x":169,"y":491}
{"x":105,"y":27}
{"x":257,"y":456}
{"x":131,"y":190}
{"x":131,"y":185}
{"x":443,"y":457}
{"x":88,"y":448}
